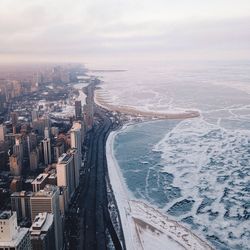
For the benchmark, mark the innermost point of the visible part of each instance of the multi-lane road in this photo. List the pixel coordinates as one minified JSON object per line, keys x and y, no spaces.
{"x":89,"y":225}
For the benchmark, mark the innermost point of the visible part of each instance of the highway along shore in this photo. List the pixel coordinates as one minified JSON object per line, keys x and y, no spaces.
{"x":93,"y":220}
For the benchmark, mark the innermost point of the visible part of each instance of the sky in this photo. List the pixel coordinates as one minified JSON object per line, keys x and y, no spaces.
{"x":78,"y":30}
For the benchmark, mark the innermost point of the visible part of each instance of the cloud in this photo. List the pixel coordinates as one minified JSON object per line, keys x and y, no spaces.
{"x":44,"y":28}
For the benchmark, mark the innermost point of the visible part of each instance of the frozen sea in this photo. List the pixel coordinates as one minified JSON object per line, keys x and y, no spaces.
{"x":197,"y":171}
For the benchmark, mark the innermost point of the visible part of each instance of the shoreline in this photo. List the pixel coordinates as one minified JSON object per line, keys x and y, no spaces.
{"x":141,"y":221}
{"x":144,"y":226}
{"x":127,"y":110}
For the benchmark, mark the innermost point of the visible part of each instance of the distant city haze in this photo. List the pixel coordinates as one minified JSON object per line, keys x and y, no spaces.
{"x":98,"y":30}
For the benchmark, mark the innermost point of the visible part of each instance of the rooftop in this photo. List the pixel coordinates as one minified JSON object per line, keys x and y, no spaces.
{"x":5,"y":215}
{"x":64,"y":158}
{"x":40,"y":178}
{"x":48,"y":191}
{"x":22,"y":194}
{"x":76,"y":126}
{"x":16,"y":241}
{"x":42,"y":222}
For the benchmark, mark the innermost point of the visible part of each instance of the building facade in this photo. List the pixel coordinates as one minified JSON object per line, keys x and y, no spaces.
{"x":13,"y":237}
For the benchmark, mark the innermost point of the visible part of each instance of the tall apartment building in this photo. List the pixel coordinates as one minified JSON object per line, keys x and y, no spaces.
{"x":76,"y":166}
{"x":76,"y":140}
{"x":34,"y":115}
{"x":3,"y":132}
{"x":15,"y":165}
{"x":47,"y":200}
{"x":40,"y":182}
{"x":47,"y":132}
{"x":58,"y":150}
{"x":34,"y":159}
{"x":14,"y":120}
{"x":20,"y":203}
{"x":65,"y":173}
{"x":18,"y":148}
{"x":13,"y":237}
{"x":42,"y":232}
{"x":32,"y":141}
{"x":78,"y":110}
{"x":46,"y":151}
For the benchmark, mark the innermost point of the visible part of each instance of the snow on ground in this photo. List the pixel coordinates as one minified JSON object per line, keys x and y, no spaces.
{"x":80,"y":85}
{"x":143,"y":226}
{"x":67,"y":111}
{"x":82,"y":96}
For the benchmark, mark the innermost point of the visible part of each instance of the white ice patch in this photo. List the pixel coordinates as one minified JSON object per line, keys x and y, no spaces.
{"x":208,"y":161}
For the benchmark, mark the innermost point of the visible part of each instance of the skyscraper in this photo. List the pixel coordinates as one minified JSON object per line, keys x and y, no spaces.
{"x":18,"y":148}
{"x":58,"y":150}
{"x":42,"y":232}
{"x":47,"y":132}
{"x":2,"y":132}
{"x":65,"y":173}
{"x":76,"y":165}
{"x":46,"y":151}
{"x":11,"y":236}
{"x":40,"y":182}
{"x":34,"y":159}
{"x":76,"y":138}
{"x":20,"y":202}
{"x":34,"y":115}
{"x":47,"y":200}
{"x":15,"y":165}
{"x":32,"y":141}
{"x":78,"y":110}
{"x":14,"y":120}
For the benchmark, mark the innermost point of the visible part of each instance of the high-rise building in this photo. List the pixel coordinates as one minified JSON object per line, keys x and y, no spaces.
{"x":63,"y":200}
{"x":11,"y":236}
{"x":76,"y":138}
{"x":88,"y":115}
{"x":47,"y":200}
{"x":14,"y":120}
{"x":18,"y":149}
{"x":47,"y":132}
{"x":20,"y":202}
{"x":58,"y":150}
{"x":47,"y":122}
{"x":78,"y":110}
{"x":15,"y":165}
{"x":54,"y":131}
{"x":34,"y":115}
{"x":46,"y":151}
{"x":40,"y":182}
{"x":34,"y":159}
{"x":2,"y":132}
{"x":76,"y":166}
{"x":16,"y":184}
{"x":32,"y":141}
{"x":65,"y":173}
{"x":40,"y":124}
{"x":42,"y":232}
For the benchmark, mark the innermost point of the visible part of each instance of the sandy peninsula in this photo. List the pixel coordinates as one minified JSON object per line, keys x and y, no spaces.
{"x":103,"y":102}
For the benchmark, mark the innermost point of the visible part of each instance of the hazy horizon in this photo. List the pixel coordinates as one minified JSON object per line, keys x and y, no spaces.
{"x":94,"y":30}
